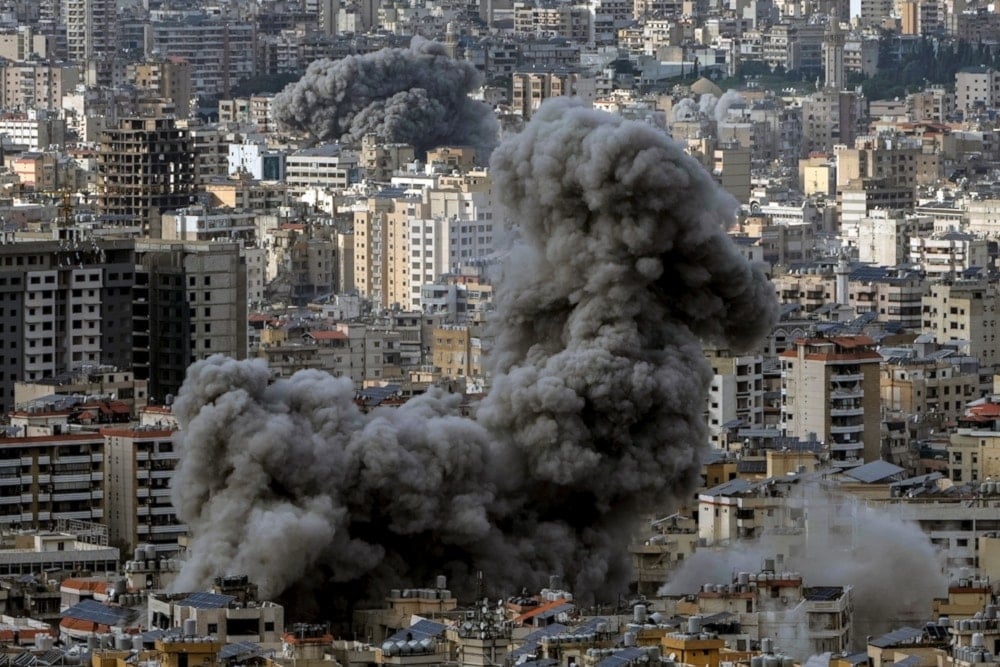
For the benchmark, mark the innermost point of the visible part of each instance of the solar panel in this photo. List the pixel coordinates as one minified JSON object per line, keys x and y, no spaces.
{"x":206,"y":601}
{"x":622,"y":658}
{"x":240,"y":650}
{"x":422,"y":629}
{"x":95,"y":612}
{"x":590,"y":626}
{"x":26,"y":659}
{"x":823,"y":593}
{"x":531,"y":640}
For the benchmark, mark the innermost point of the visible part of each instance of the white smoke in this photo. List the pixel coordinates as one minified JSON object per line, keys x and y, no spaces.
{"x":621,"y":267}
{"x":894,"y":568}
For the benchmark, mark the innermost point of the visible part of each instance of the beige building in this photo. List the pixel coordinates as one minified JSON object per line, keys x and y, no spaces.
{"x":138,"y":466}
{"x":169,"y":79}
{"x":456,"y":352}
{"x":530,"y":89}
{"x":830,"y":388}
{"x":731,"y":169}
{"x":964,"y":311}
{"x":36,"y":85}
{"x":926,"y":386}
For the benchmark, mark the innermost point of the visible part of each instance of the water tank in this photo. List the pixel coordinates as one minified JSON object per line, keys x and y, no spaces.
{"x":991,"y":488}
{"x":137,"y":643}
{"x":639,"y":613}
{"x":991,"y":611}
{"x":404,"y":648}
{"x":442,"y":582}
{"x":694,"y":625}
{"x":93,"y":642}
{"x":107,"y":640}
{"x":190,"y":627}
{"x":977,"y":640}
{"x":769,"y":565}
{"x":771,"y":661}
{"x":394,"y":593}
{"x":602,"y":627}
{"x":151,"y":565}
{"x":123,"y":642}
{"x":707,"y":588}
{"x":757,"y":661}
{"x":944,"y":622}
{"x":767,"y":646}
{"x":629,"y":639}
{"x":656,"y":617}
{"x":427,"y":645}
{"x":787,"y":661}
{"x":743,"y":578}
{"x":150,"y":551}
{"x":139,"y":554}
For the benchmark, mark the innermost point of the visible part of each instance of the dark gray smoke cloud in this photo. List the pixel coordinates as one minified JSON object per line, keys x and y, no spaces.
{"x":621,"y":266}
{"x":417,"y":95}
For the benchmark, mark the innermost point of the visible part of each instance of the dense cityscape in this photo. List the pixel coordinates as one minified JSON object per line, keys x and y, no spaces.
{"x":422,"y":333}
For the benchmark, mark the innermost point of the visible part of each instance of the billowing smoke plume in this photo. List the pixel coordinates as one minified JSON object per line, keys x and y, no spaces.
{"x":715,"y":108}
{"x":417,"y":95}
{"x":893,"y":566}
{"x":729,"y":99}
{"x":621,"y":266}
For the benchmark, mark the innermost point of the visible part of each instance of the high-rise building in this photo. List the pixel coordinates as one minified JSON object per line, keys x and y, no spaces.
{"x":92,"y":37}
{"x":138,"y":465}
{"x":190,"y":303}
{"x":830,"y":389}
{"x":63,"y":306}
{"x":145,"y":166}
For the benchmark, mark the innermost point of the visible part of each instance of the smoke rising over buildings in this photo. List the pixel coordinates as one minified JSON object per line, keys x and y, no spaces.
{"x":893,"y":566}
{"x":417,"y":95}
{"x":620,"y":267}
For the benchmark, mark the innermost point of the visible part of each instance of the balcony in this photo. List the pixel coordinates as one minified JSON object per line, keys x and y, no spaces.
{"x":847,"y":412}
{"x":847,"y":428}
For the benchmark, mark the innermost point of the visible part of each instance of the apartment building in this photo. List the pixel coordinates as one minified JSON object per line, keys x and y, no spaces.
{"x":144,"y":168}
{"x":976,"y":87}
{"x":32,"y":130}
{"x":965,"y":311}
{"x":949,"y":254}
{"x":326,"y":166}
{"x":736,"y":393}
{"x":46,"y":478}
{"x":570,"y":22}
{"x":92,"y":29}
{"x":530,"y":89}
{"x":138,"y":464}
{"x":169,"y":78}
{"x":830,"y":388}
{"x":26,"y":86}
{"x":190,"y":303}
{"x":456,"y":352}
{"x":63,"y":306}
{"x":220,"y":51}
